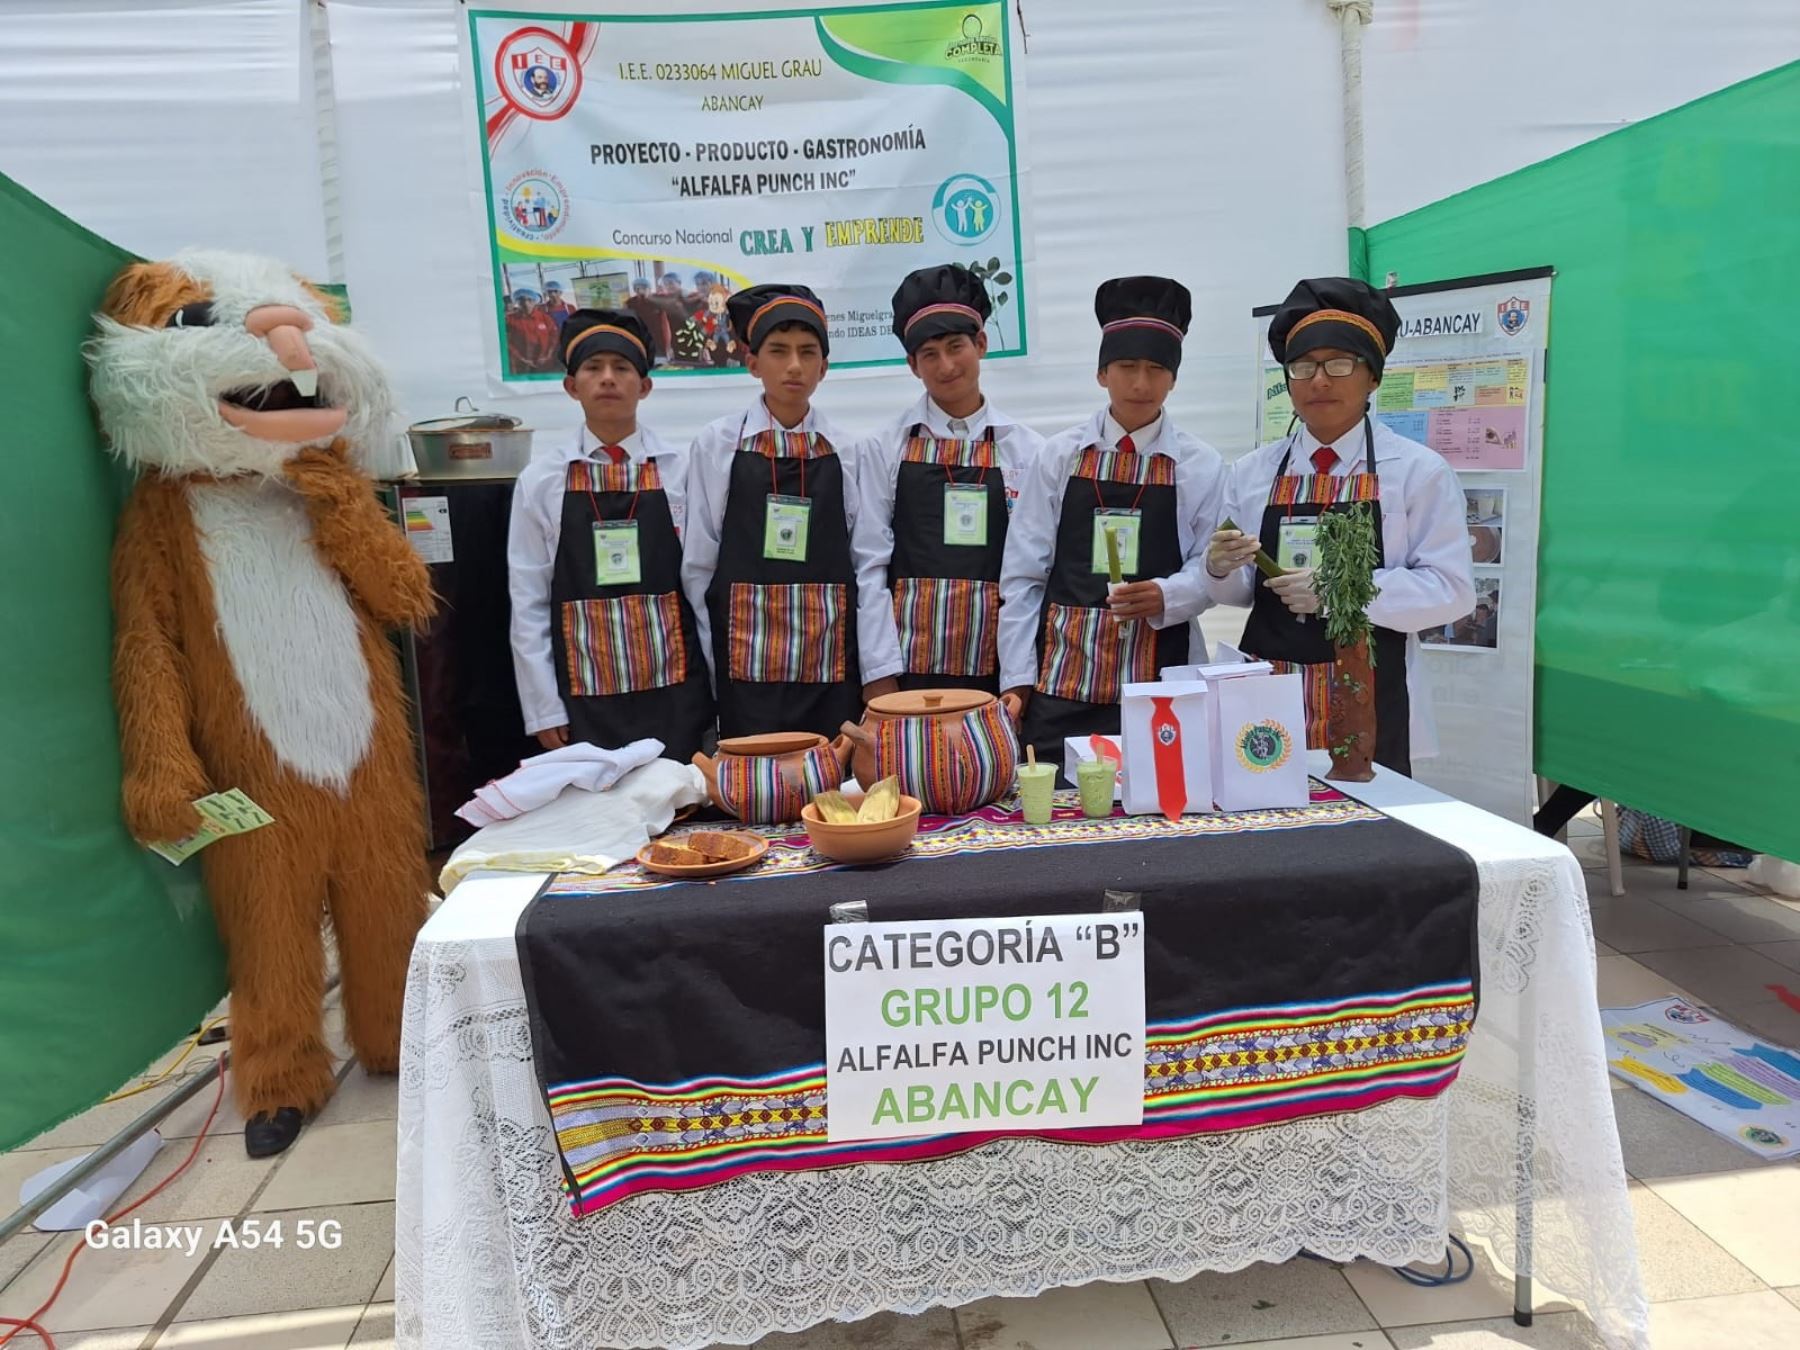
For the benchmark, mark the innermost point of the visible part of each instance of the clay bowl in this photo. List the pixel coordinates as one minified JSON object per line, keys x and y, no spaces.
{"x":862,"y":843}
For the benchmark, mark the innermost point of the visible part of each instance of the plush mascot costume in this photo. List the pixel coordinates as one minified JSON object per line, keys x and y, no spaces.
{"x":253,"y":575}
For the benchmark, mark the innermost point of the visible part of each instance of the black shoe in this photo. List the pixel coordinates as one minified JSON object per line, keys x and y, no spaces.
{"x":268,"y":1133}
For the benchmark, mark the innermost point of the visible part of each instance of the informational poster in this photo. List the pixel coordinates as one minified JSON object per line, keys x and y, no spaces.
{"x":1736,"y":1085}
{"x":1466,"y":379}
{"x":1476,"y":414}
{"x":966,"y":1025}
{"x":428,"y":528}
{"x":660,"y":162}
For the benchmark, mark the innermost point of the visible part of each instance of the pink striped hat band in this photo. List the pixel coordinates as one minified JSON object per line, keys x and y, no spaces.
{"x":961,"y":311}
{"x":1144,"y":322}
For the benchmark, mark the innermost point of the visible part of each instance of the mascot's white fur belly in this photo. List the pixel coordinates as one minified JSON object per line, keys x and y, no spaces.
{"x":288,"y":627}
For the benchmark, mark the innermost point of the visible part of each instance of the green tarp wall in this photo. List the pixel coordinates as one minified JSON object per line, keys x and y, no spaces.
{"x":1668,"y":625}
{"x":107,"y":954}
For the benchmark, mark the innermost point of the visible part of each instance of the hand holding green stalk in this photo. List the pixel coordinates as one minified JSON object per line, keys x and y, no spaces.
{"x":1264,"y":563}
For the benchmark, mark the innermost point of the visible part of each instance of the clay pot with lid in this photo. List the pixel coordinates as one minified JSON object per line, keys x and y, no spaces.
{"x":766,"y":779}
{"x":954,"y":749}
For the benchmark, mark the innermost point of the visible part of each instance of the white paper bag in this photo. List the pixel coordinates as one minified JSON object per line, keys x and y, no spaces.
{"x":1079,"y":748}
{"x":1190,"y":734}
{"x":1233,"y":670}
{"x":1258,"y":734}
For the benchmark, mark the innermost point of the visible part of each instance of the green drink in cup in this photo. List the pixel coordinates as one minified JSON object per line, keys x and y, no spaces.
{"x":1095,"y":778}
{"x":1036,"y":784}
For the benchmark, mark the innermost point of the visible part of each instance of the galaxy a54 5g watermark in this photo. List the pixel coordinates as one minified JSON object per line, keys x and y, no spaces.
{"x":245,"y":1234}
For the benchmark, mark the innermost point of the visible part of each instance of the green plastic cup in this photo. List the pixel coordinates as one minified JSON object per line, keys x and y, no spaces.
{"x":1095,"y":778}
{"x":1037,"y":783}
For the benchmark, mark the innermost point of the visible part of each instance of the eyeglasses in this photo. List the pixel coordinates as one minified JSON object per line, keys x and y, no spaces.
{"x":1337,"y":367}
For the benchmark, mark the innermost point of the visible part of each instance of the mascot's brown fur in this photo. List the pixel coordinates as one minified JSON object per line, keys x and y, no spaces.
{"x":253,"y":575}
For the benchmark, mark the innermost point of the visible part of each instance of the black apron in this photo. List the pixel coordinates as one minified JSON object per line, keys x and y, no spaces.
{"x":628,"y":658}
{"x":1277,"y":635}
{"x":784,"y":631}
{"x":1084,"y":656}
{"x":947,"y":595}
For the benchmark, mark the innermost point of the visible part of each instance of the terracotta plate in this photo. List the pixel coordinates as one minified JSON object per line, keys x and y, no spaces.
{"x":759,"y":846}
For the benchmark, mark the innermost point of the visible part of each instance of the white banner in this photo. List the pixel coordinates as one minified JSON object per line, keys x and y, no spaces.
{"x":659,"y":162}
{"x":957,"y":1025}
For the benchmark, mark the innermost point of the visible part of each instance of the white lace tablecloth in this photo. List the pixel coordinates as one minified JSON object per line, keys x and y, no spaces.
{"x":487,"y":1253}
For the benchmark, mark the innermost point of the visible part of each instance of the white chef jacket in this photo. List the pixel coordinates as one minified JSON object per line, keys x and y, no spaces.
{"x":1016,"y":446}
{"x":531,"y":544}
{"x":1427,"y":581}
{"x":709,"y":479}
{"x":1031,"y":534}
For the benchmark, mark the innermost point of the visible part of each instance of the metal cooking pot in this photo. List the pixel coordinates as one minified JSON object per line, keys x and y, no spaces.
{"x":472,"y":444}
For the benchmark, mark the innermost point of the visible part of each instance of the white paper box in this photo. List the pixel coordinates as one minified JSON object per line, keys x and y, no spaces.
{"x":1168,"y":673}
{"x":1224,"y":654}
{"x":1188,"y":700}
{"x":1258,"y":735}
{"x":1078,"y":748}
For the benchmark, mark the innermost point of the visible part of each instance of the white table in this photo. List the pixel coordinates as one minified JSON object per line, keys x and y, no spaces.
{"x":487,"y":1254}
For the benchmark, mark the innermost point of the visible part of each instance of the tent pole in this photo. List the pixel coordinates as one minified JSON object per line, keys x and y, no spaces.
{"x":1352,"y":16}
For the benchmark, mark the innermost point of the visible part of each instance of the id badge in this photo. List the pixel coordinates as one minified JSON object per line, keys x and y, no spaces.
{"x":784,"y":528}
{"x":965,"y":516}
{"x":1125,"y":524}
{"x":1296,"y":546}
{"x":616,"y":560}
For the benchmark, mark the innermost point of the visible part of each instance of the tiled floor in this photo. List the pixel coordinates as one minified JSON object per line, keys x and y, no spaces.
{"x":1718,"y":1230}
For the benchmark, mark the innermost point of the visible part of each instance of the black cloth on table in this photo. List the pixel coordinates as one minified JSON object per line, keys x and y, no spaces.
{"x":671,"y":983}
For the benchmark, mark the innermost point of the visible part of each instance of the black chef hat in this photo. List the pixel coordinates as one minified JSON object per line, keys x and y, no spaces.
{"x":755,"y":313}
{"x":936,"y":301}
{"x":1339,"y":312}
{"x":1142,"y":318}
{"x":587,"y":331}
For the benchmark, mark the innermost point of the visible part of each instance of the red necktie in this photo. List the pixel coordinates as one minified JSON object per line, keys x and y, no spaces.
{"x":1323,"y":459}
{"x":1171,"y":774}
{"x":1125,"y":446}
{"x":616,"y":453}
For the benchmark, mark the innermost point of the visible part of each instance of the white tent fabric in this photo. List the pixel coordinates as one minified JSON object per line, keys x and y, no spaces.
{"x":164,"y":124}
{"x":1195,"y":137}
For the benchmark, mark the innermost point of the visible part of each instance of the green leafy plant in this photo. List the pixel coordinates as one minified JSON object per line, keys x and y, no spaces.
{"x":1345,"y":575}
{"x":995,"y":280}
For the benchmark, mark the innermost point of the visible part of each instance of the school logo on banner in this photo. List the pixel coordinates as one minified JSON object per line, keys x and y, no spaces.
{"x":966,"y":208}
{"x":537,"y":73}
{"x":1264,"y":746}
{"x":1513,"y":314}
{"x":535,"y":205}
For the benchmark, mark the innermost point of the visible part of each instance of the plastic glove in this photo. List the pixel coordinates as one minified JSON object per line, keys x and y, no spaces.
{"x":1295,"y":590}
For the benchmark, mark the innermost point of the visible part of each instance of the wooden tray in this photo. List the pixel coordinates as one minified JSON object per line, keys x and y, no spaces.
{"x":700,"y":871}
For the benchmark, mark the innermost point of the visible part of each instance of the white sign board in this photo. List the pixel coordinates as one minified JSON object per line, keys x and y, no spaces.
{"x":950,"y":1026}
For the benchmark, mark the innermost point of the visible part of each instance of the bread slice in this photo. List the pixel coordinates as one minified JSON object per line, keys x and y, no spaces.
{"x":674,"y":855}
{"x":717,"y":845}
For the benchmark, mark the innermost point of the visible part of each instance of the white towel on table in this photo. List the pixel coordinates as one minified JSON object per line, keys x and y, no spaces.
{"x":541,"y":778}
{"x":581,"y":831}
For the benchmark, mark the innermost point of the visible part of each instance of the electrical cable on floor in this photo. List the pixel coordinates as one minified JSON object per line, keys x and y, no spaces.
{"x":1425,"y":1279}
{"x":194,"y":1043}
{"x":30,"y":1323}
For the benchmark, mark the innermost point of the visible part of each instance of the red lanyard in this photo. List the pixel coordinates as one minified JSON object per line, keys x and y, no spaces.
{"x":1141,"y":486}
{"x":774,"y":485}
{"x":630,"y":514}
{"x":980,"y":480}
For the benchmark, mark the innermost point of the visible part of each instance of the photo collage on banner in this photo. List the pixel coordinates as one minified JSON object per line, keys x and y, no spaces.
{"x":658,"y":163}
{"x":1466,"y":378}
